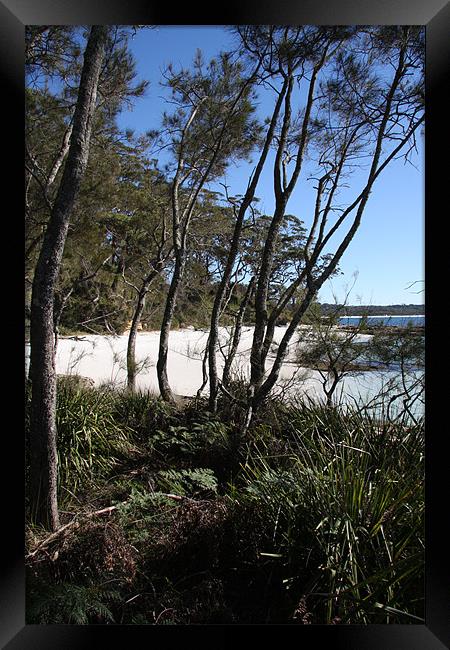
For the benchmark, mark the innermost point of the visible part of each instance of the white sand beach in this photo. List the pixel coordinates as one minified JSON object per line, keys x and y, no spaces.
{"x":103,"y":359}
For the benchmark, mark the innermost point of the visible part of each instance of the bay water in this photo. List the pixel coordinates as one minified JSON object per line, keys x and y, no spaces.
{"x":391,"y":321}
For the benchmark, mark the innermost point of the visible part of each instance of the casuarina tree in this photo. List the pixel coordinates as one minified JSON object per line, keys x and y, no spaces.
{"x":212,"y":126}
{"x":352,"y":101}
{"x":43,"y":454}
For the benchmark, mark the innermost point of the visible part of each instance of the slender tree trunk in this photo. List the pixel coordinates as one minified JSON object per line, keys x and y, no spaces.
{"x":180,"y":228}
{"x":64,"y":150}
{"x":132,"y":335}
{"x":329,"y":392}
{"x":131,"y":347}
{"x":43,"y":460}
{"x":283,"y":190}
{"x":234,"y":248}
{"x":237,"y":333}
{"x":204,"y":371}
{"x":256,"y":357}
{"x":161,"y":366}
{"x":261,"y":392}
{"x":179,"y":234}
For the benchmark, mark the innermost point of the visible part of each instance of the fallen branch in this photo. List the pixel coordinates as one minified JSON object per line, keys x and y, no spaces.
{"x":75,"y":523}
{"x":178,"y":497}
{"x":72,"y":524}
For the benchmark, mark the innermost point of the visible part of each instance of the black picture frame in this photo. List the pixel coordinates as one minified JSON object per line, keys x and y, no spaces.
{"x":435,"y":16}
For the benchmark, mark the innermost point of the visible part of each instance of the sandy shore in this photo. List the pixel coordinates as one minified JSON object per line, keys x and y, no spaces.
{"x":103,"y":359}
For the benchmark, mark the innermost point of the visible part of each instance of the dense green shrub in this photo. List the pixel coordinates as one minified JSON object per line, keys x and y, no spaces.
{"x":141,"y":411}
{"x":90,"y":441}
{"x":348,"y":499}
{"x":206,"y":443}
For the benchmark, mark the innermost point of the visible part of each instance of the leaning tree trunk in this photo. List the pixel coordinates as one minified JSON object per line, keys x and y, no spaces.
{"x":132,"y":335}
{"x":42,"y":487}
{"x":180,"y":232}
{"x":226,"y":375}
{"x":233,"y":252}
{"x":161,"y":366}
{"x":131,"y":347}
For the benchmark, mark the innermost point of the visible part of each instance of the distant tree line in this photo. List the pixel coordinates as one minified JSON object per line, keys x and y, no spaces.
{"x":374,"y":310}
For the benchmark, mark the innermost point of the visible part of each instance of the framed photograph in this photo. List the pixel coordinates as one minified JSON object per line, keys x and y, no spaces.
{"x":193,"y":231}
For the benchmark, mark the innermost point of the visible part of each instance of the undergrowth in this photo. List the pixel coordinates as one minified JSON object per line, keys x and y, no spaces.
{"x":314,"y":516}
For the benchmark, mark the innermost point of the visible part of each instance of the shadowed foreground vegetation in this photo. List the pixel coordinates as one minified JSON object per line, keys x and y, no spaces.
{"x":170,"y":516}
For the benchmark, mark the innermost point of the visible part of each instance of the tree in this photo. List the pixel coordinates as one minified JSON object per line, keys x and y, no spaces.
{"x":52,"y":56}
{"x":260,"y":44}
{"x":334,"y":352}
{"x":212,"y":126}
{"x":138,"y":225}
{"x":53,"y":74}
{"x":43,"y":458}
{"x":363,"y":107}
{"x":103,"y":82}
{"x":401,"y":349}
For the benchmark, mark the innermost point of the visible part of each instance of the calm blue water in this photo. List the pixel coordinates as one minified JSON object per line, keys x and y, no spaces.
{"x":393,"y":321}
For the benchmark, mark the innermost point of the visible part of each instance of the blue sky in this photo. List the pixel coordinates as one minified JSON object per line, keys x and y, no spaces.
{"x":387,"y":253}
